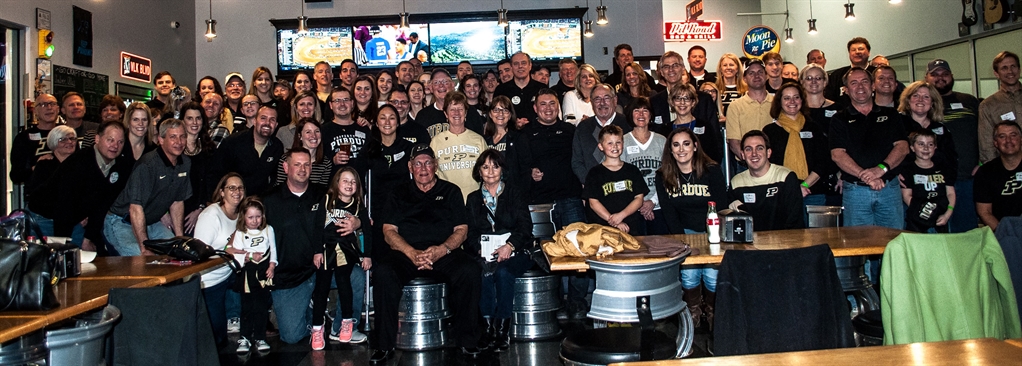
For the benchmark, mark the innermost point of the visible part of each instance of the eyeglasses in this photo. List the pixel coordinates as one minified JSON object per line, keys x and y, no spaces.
{"x":604,"y":99}
{"x":46,"y":104}
{"x":235,"y":85}
{"x":423,"y":164}
{"x":683,"y":100}
{"x":813,"y":78}
{"x":441,"y":82}
{"x":340,"y":100}
{"x":67,"y":138}
{"x":499,"y":110}
{"x":249,"y":104}
{"x":671,"y":66}
{"x":398,"y":102}
{"x":234,"y":188}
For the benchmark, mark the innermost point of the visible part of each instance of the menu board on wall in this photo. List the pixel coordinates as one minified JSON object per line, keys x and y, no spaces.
{"x":90,"y":85}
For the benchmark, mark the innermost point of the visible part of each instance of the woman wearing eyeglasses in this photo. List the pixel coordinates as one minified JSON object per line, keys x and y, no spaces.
{"x":502,"y":135}
{"x":62,"y":142}
{"x":214,"y":227}
{"x":684,"y":99}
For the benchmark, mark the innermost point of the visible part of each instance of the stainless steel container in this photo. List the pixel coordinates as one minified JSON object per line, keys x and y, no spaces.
{"x":542,"y":221}
{"x":617,"y":286}
{"x":824,"y":216}
{"x":859,"y":291}
{"x":422,"y":315}
{"x":535,"y":305}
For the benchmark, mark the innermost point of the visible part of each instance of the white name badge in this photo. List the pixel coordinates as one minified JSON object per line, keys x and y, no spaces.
{"x":829,"y":113}
{"x":620,"y":186}
{"x":489,"y":243}
{"x":749,"y":197}
{"x":1010,"y":116}
{"x":957,"y":106}
{"x":699,"y":130}
{"x":632,"y":149}
{"x":805,"y":134}
{"x":920,"y":179}
{"x":938,"y":131}
{"x":35,"y":136}
{"x":658,"y":120}
{"x":1018,"y":177}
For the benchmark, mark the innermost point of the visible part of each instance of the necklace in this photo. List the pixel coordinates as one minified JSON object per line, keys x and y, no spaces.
{"x":688,"y":177}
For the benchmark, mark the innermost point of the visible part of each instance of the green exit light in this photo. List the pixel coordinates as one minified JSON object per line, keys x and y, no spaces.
{"x":49,"y":51}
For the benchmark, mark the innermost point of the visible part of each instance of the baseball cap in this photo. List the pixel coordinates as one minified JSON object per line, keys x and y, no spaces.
{"x":439,"y":70}
{"x":754,"y":61}
{"x":419,"y":149}
{"x":232,"y":75}
{"x":937,"y":64}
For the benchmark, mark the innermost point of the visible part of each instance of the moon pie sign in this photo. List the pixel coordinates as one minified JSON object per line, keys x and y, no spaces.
{"x":759,"y":40}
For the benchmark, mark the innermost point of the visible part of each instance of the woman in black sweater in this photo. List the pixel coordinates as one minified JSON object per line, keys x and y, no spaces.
{"x":498,"y":211}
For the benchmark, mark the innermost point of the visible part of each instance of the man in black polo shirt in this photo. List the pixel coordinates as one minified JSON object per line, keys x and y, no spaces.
{"x":296,"y":212}
{"x":868,"y":143}
{"x":159,"y":183}
{"x":521,"y":89}
{"x":998,"y":187}
{"x":961,"y":119}
{"x":253,"y":154}
{"x":426,"y":225}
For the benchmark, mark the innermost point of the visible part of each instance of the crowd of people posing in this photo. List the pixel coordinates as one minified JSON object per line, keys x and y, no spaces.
{"x":310,"y":185}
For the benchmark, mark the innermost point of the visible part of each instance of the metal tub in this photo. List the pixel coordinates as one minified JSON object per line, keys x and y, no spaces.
{"x":534,"y":310}
{"x":422,"y":315}
{"x":618,"y":285}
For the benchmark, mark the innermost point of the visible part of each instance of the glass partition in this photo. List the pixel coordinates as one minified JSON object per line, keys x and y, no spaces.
{"x":956,"y":55}
{"x":986,"y":49}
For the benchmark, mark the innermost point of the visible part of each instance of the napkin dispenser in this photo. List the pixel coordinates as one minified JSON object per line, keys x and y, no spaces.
{"x":735,"y":226}
{"x":68,"y":261}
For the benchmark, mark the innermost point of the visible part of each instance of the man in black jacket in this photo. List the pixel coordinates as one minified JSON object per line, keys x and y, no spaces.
{"x":253,"y":154}
{"x":296,"y":213}
{"x":84,"y":187}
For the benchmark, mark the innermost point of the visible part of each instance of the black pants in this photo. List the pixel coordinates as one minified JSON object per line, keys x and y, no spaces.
{"x":912,"y":226}
{"x":254,"y":308}
{"x":322,"y":290}
{"x":463,"y":277}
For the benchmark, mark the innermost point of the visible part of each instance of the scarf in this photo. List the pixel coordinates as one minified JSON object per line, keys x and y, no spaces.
{"x":794,"y":153}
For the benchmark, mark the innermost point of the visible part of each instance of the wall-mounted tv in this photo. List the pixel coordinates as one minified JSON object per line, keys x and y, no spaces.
{"x":481,"y":41}
{"x":299,"y":52}
{"x":546,"y":39}
{"x":388,"y":45}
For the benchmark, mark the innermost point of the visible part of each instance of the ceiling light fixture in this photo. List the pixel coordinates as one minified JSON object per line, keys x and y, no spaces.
{"x":303,"y":21}
{"x":210,"y":24}
{"x":849,"y":11}
{"x":601,"y":14}
{"x":587,"y":30}
{"x":811,"y":21}
{"x":502,"y":15}
{"x":404,"y":15}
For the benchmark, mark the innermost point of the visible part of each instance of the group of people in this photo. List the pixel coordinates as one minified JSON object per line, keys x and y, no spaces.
{"x":307,"y":182}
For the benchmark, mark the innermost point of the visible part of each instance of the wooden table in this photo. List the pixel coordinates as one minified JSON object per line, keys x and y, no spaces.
{"x":89,"y":291}
{"x":974,"y":352}
{"x":1017,"y":342}
{"x":843,"y":241}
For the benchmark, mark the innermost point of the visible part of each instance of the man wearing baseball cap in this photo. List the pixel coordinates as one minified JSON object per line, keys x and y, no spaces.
{"x":961,"y":116}
{"x":425,"y":225}
{"x":234,"y":90}
{"x":752,"y":110}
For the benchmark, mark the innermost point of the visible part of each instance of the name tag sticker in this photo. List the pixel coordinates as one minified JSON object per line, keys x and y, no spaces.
{"x":182,"y":174}
{"x":938,"y":131}
{"x":957,"y":106}
{"x":749,"y":197}
{"x":805,"y":134}
{"x":632,"y":149}
{"x":1010,"y":116}
{"x":658,"y":120}
{"x":699,"y":130}
{"x":829,"y":113}
{"x":919,"y":179}
{"x":34,"y":136}
{"x":620,"y":186}
{"x":1018,"y":177}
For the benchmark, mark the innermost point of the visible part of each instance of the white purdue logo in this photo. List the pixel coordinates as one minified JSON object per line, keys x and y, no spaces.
{"x":771,"y":191}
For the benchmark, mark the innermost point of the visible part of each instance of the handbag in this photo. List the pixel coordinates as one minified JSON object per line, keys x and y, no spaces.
{"x":189,"y":249}
{"x":26,"y":268}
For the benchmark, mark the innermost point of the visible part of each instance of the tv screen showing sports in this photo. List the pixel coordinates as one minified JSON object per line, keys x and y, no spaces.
{"x":298,"y":52}
{"x":388,"y":45}
{"x":472,"y":41}
{"x":546,"y":39}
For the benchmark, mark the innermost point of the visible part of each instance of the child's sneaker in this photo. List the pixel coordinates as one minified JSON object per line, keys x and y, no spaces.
{"x":347,"y":326}
{"x":318,"y":343}
{"x":244,"y":345}
{"x":233,"y":325}
{"x":357,"y":337}
{"x":261,"y":345}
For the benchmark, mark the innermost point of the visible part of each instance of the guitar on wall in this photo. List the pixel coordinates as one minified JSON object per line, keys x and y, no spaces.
{"x":995,"y":11}
{"x":969,"y":17}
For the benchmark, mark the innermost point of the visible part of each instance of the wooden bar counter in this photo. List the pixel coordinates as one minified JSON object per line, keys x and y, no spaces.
{"x":843,"y":241}
{"x":973,"y":352}
{"x":139,"y":267}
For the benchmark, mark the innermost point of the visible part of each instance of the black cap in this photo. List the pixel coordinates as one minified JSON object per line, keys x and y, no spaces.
{"x":419,"y":149}
{"x":937,"y":64}
{"x":754,"y":61}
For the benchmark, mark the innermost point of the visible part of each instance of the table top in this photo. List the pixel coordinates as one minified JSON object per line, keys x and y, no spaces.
{"x":975,"y":352}
{"x":139,"y":267}
{"x":1017,"y":342}
{"x":844,"y":242}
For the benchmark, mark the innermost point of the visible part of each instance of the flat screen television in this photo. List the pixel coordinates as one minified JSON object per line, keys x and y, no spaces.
{"x":388,"y":45}
{"x":546,"y":39}
{"x":481,"y":41}
{"x":301,"y":52}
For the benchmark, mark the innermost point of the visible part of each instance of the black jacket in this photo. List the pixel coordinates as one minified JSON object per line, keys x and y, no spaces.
{"x":238,"y":154}
{"x":512,"y":216}
{"x":298,"y":225}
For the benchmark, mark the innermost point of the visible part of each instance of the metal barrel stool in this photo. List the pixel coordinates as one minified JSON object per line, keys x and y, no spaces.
{"x":633,"y":293}
{"x":535,"y":305}
{"x":422,"y":315}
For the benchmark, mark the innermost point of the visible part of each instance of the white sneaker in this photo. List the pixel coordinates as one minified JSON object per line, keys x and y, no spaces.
{"x":244,"y":345}
{"x":261,"y":345}
{"x":357,"y":337}
{"x":233,"y":325}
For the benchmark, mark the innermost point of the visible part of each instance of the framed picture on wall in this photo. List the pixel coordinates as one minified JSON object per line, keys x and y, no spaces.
{"x":43,"y":76}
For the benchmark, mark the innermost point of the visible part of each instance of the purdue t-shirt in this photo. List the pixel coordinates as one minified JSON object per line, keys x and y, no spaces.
{"x":646,"y":157}
{"x":929,"y":192}
{"x":1000,"y":187}
{"x":615,"y":190}
{"x":774,"y":200}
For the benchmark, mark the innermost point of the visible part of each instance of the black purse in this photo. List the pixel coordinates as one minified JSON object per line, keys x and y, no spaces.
{"x":26,"y":268}
{"x":189,"y":249}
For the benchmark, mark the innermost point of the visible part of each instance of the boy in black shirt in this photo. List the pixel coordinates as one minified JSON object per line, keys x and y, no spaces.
{"x":614,"y":188}
{"x":927,"y":188}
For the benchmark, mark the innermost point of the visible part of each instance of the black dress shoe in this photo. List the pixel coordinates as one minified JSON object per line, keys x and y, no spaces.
{"x":472,"y":352}
{"x":381,"y":355}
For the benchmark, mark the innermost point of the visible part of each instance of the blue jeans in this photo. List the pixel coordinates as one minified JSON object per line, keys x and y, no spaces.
{"x":964,"y":217}
{"x":864,"y":206}
{"x":358,"y":292}
{"x":120,"y":236}
{"x":215,"y":298}
{"x":293,"y":312}
{"x":498,"y":289}
{"x":693,"y":276}
{"x":566,"y":212}
{"x":233,"y":303}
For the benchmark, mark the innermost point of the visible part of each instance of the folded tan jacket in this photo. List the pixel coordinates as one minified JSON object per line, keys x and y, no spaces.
{"x":584,"y":240}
